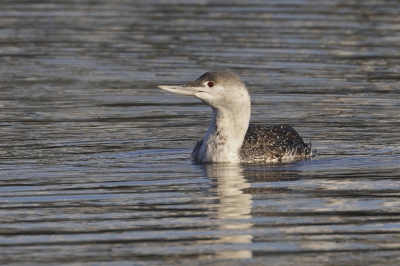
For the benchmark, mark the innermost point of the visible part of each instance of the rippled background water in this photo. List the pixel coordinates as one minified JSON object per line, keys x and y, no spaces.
{"x":94,"y":166}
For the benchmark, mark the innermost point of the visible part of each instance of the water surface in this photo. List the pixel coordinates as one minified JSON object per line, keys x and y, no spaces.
{"x":95,"y":167}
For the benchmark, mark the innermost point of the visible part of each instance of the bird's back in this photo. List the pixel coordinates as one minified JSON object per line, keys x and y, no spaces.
{"x":265,"y":144}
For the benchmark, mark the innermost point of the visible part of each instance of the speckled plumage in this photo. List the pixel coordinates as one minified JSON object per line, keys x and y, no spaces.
{"x":273,"y":144}
{"x":269,"y":144}
{"x":230,"y":137}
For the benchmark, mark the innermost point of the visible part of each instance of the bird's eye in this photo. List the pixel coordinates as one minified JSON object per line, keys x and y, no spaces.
{"x":210,"y":84}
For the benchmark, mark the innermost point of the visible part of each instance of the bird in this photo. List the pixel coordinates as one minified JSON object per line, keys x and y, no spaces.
{"x":230,"y":138}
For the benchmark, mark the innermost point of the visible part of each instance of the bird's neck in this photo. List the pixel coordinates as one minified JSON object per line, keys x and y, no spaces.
{"x":225,"y":135}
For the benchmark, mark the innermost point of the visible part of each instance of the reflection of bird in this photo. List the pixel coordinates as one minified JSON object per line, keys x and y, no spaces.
{"x":229,"y":137}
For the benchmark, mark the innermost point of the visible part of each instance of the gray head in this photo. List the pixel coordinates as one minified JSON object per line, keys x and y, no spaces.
{"x":230,"y":101}
{"x":217,"y":89}
{"x":227,"y":79}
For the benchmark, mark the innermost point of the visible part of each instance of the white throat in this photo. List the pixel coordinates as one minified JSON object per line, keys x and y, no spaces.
{"x":225,"y":134}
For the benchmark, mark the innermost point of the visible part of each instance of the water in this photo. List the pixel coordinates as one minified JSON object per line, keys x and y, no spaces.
{"x":94,"y":165}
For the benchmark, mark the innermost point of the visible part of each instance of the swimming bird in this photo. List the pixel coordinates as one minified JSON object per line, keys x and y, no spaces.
{"x":230,"y":138}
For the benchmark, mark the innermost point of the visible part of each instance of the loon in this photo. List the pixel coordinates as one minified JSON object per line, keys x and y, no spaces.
{"x":230,"y":138}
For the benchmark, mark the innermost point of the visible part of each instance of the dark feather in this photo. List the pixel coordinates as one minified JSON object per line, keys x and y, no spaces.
{"x":264,"y":144}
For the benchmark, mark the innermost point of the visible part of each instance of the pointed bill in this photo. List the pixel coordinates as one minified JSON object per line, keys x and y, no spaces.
{"x":179,"y":89}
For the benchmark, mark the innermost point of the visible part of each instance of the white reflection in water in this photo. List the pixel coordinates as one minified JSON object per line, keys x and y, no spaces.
{"x":234,"y":207}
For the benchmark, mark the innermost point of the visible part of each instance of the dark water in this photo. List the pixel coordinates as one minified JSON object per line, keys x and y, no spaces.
{"x":94,"y":165}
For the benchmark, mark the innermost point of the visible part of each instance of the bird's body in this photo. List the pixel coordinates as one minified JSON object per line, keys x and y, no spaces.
{"x":268,"y":144}
{"x":229,"y":137}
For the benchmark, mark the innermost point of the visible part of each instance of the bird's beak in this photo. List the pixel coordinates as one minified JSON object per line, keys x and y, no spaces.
{"x":180,"y":89}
